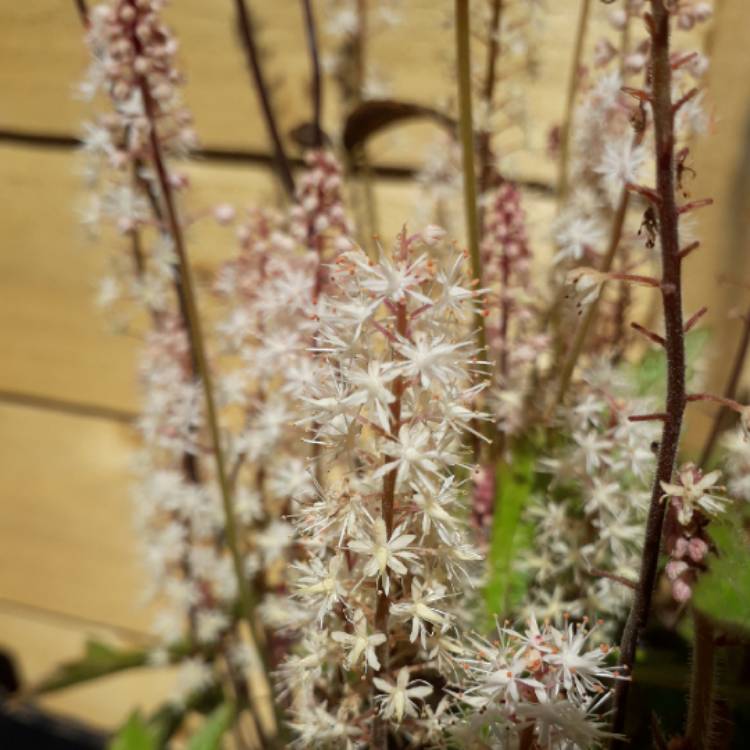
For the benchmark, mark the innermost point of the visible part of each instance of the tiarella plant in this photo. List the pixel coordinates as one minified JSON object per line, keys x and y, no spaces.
{"x":384,"y":490}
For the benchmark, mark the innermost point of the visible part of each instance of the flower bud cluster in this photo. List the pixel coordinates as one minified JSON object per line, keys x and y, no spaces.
{"x":692,"y":502}
{"x":512,"y":331}
{"x":134,"y":59}
{"x":318,"y":218}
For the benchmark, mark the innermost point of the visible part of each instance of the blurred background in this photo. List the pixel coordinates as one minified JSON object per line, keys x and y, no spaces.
{"x":68,"y":558}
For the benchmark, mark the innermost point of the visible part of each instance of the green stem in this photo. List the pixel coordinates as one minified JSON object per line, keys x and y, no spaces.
{"x":466,"y":128}
{"x":583,"y":22}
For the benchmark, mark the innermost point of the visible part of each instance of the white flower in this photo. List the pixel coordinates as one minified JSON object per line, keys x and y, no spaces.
{"x":413,"y":454}
{"x":321,"y":584}
{"x":383,"y":553}
{"x":433,"y":358}
{"x":360,"y":643}
{"x":695,"y":491}
{"x":371,"y":390}
{"x":420,"y":611}
{"x":575,"y":235}
{"x":579,"y":670}
{"x":587,"y":283}
{"x":388,"y":279}
{"x":433,"y":502}
{"x":396,"y":701}
{"x":621,"y":163}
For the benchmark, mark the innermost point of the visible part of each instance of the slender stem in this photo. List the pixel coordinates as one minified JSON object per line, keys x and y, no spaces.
{"x":674,"y":346}
{"x":463,"y":55}
{"x":83,"y":11}
{"x":730,"y":390}
{"x":488,"y":93}
{"x":360,"y":157}
{"x":573,"y":80}
{"x":317,"y":79}
{"x":246,"y":28}
{"x":702,"y":683}
{"x":188,"y":303}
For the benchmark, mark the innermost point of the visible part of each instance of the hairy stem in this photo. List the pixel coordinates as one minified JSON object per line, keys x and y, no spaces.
{"x":466,"y":127}
{"x":316,"y":86}
{"x":702,"y":683}
{"x":247,"y":32}
{"x":671,"y":290}
{"x":583,"y":22}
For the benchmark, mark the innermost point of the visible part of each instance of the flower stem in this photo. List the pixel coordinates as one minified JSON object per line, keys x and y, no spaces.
{"x":671,"y":291}
{"x":488,"y":93}
{"x":247,"y":32}
{"x":573,"y":80}
{"x":702,"y":683}
{"x":316,"y":86}
{"x":466,"y":127}
{"x":188,"y":304}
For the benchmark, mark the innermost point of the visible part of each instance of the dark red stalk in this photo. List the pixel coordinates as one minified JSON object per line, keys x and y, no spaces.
{"x":83,"y":11}
{"x":671,"y":290}
{"x":247,"y":32}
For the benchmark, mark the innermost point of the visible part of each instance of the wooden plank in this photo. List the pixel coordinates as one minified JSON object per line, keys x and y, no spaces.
{"x":413,"y":58}
{"x":38,"y":644}
{"x":56,"y":344}
{"x":718,"y":273}
{"x":66,"y":539}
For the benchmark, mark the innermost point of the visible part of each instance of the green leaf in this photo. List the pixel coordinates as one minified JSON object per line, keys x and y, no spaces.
{"x":98,"y":660}
{"x":167,"y":719}
{"x":208,"y":737}
{"x":513,"y":483}
{"x":723,"y":593}
{"x":650,"y":374}
{"x":135,"y":734}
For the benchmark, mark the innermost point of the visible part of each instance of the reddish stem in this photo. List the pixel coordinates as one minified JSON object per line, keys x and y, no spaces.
{"x":245,"y":24}
{"x":671,"y":290}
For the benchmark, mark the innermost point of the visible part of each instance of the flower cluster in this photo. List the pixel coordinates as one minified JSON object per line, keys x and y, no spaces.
{"x":588,"y":526}
{"x":542,"y":685}
{"x":385,"y":548}
{"x":513,"y":334}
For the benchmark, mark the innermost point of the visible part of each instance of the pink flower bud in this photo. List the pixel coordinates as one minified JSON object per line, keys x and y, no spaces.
{"x":680,"y":548}
{"x":681,"y":591}
{"x":697,"y":549}
{"x":675,"y":568}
